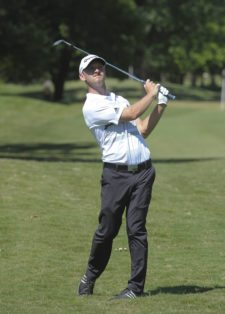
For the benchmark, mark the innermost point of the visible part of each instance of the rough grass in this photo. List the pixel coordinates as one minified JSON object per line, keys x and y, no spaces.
{"x":49,"y":201}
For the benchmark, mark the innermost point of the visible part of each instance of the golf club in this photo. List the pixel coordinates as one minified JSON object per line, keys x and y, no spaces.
{"x":62,"y":41}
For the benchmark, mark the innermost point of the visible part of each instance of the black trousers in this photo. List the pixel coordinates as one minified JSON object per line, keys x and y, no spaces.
{"x":123,"y":191}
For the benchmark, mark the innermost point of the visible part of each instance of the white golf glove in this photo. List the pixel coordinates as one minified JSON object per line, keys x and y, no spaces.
{"x":161,"y":98}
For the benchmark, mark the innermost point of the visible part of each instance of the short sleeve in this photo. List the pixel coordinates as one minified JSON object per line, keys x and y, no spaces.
{"x":102,"y":112}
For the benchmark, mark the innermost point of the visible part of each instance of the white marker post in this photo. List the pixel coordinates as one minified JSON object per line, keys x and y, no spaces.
{"x":222,"y":101}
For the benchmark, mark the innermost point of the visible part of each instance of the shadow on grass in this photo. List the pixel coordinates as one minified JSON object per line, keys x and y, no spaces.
{"x":74,"y":95}
{"x":70,"y":96}
{"x":71,"y":152}
{"x":77,"y":94}
{"x":183,"y":289}
{"x":50,"y":152}
{"x":184,"y":160}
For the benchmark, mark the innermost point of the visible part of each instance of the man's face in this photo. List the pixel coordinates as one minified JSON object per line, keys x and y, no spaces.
{"x":94,"y":68}
{"x":94,"y":73}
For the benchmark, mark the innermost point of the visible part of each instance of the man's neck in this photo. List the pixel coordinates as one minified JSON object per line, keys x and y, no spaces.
{"x":99,"y":90}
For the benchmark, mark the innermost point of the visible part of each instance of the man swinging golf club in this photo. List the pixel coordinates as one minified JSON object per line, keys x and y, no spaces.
{"x":128,"y":174}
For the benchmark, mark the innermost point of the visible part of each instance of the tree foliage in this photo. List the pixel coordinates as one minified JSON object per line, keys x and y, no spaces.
{"x":157,"y":37}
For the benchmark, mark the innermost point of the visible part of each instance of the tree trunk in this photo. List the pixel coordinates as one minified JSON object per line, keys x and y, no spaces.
{"x":193,"y":79}
{"x":61,"y":75}
{"x":213,"y":81}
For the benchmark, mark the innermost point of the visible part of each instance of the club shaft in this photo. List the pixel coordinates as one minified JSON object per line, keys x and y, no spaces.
{"x":169,"y":96}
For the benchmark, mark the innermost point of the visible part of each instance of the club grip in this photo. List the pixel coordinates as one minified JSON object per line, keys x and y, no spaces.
{"x":169,"y":95}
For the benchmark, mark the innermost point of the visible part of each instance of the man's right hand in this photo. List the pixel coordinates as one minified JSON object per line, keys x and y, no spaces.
{"x":136,"y":110}
{"x":151,"y":88}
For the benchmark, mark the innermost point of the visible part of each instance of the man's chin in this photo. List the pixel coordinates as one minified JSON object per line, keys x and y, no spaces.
{"x":98,"y":78}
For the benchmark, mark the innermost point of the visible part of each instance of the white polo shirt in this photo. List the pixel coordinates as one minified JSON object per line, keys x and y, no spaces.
{"x":120,"y":141}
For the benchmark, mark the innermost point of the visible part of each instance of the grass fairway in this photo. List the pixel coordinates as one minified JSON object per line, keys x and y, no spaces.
{"x":49,"y":201}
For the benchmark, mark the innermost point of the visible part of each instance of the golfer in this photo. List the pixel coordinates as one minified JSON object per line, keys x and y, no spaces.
{"x":128,"y":174}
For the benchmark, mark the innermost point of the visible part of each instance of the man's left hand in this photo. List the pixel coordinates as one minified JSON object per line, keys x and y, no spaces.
{"x":162,"y":98}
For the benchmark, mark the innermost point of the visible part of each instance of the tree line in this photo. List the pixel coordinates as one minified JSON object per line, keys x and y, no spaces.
{"x":160,"y":39}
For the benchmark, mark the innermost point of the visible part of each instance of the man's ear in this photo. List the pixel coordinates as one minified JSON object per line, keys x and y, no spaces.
{"x":82,"y":77}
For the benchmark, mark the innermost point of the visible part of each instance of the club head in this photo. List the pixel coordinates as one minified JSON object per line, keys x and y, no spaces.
{"x":58,"y":42}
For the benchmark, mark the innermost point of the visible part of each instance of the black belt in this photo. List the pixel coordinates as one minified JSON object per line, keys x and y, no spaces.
{"x":129,"y":168}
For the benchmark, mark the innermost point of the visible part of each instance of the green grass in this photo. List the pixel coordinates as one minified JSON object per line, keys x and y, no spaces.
{"x":49,"y":201}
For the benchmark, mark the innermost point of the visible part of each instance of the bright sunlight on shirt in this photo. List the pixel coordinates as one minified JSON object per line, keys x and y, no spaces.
{"x":120,"y":141}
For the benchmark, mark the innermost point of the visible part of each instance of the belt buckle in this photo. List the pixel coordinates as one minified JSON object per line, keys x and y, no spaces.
{"x":132,"y":168}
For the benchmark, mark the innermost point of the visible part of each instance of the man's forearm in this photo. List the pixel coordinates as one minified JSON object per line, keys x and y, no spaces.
{"x":147,"y":125}
{"x":137,"y":109}
{"x":133,"y":112}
